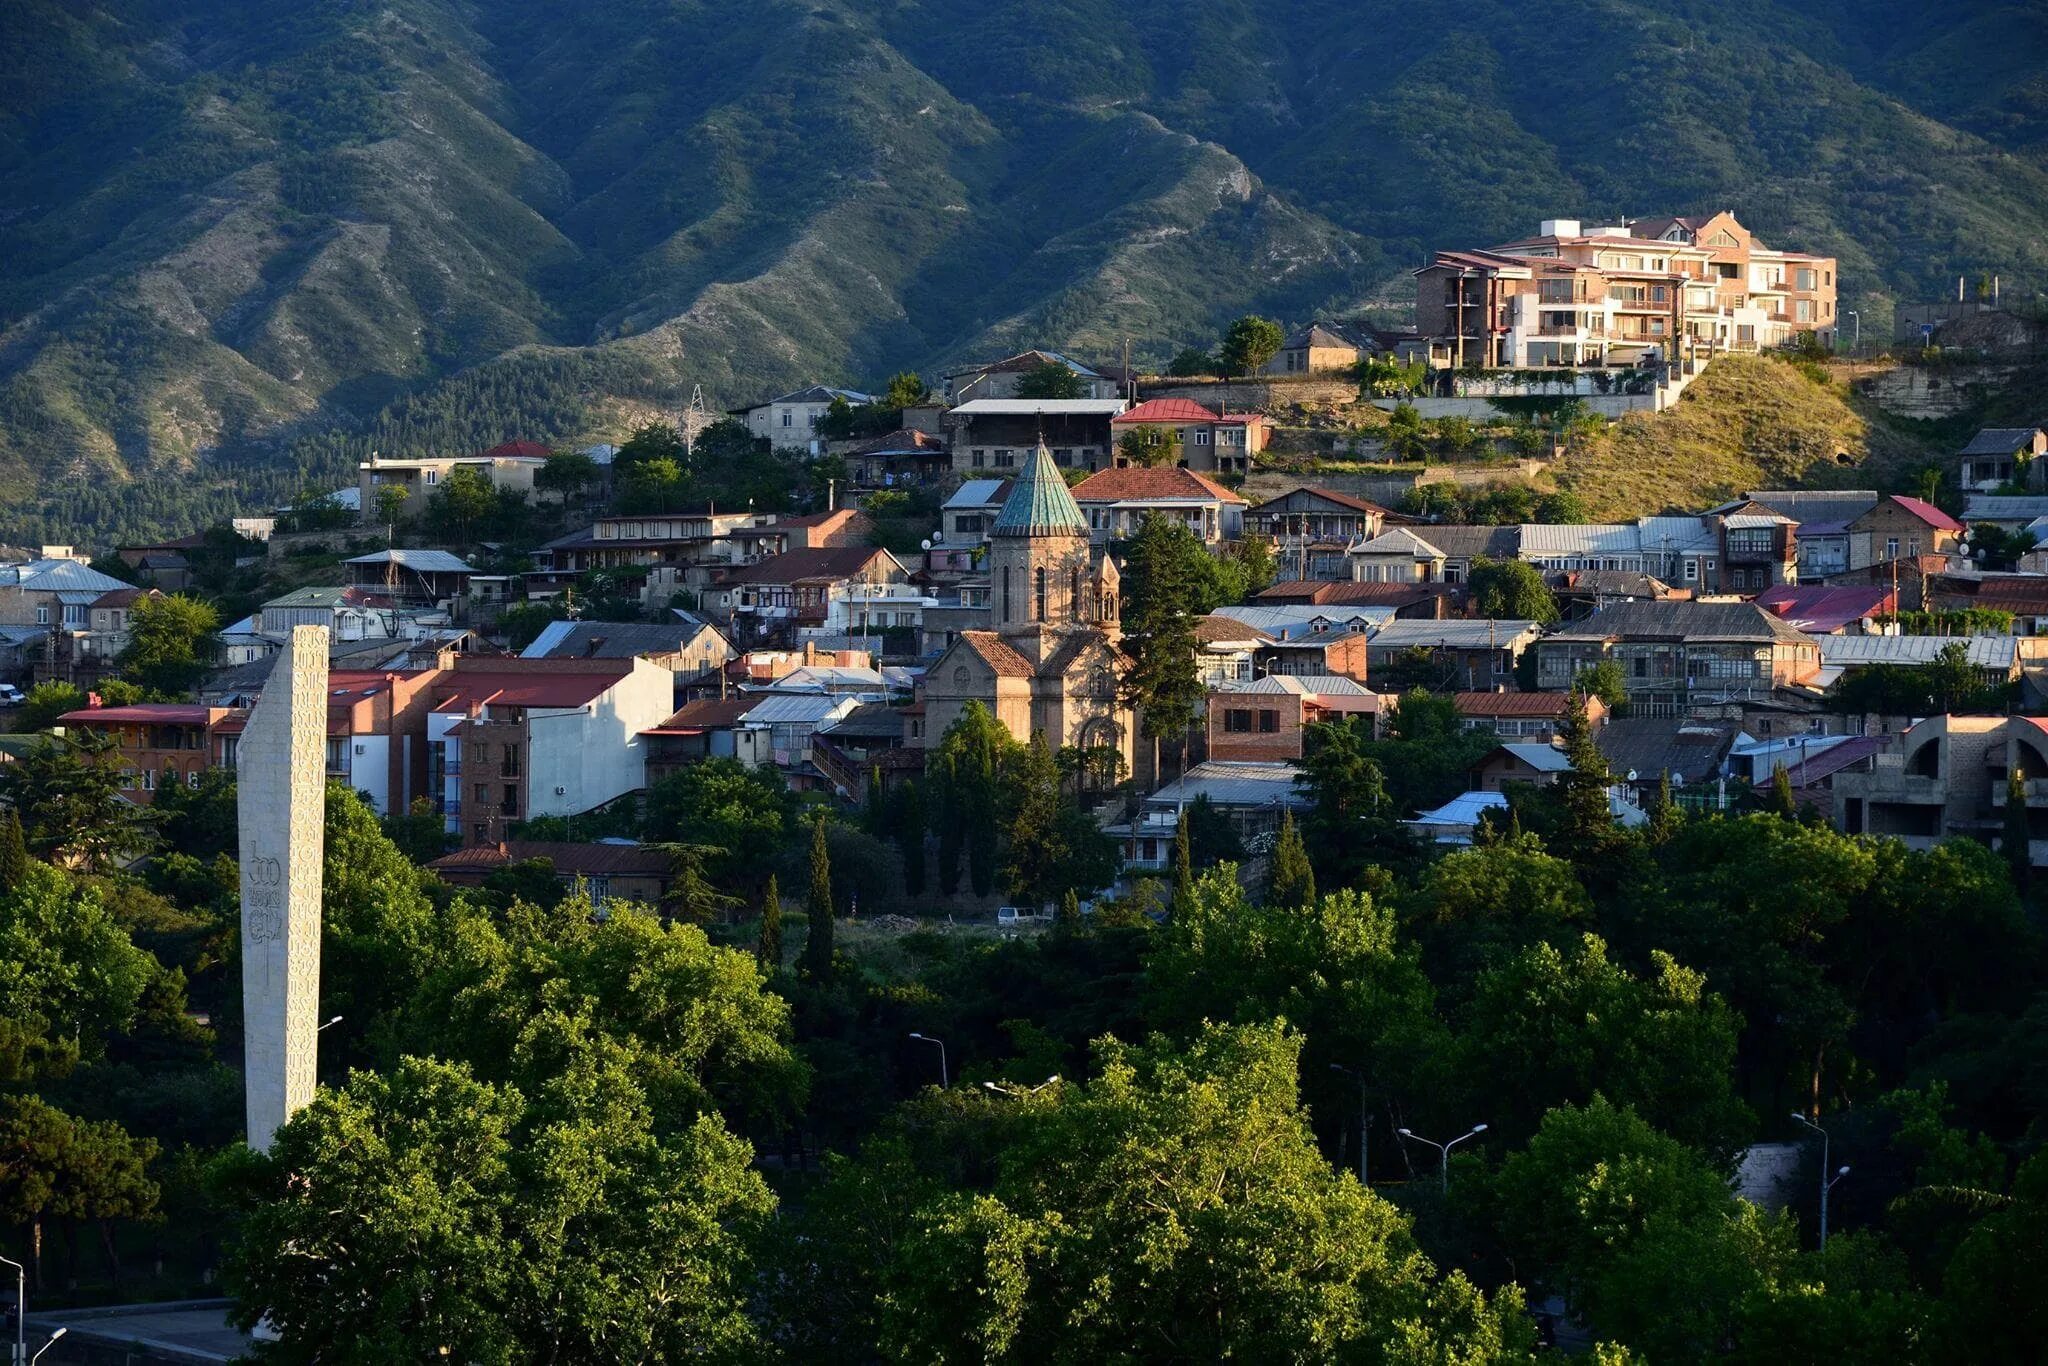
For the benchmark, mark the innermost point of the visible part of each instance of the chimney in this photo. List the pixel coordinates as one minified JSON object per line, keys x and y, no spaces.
{"x":831,"y":495}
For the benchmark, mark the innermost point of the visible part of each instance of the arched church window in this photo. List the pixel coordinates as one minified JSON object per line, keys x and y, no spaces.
{"x":1003,"y":607}
{"x":1041,"y":592}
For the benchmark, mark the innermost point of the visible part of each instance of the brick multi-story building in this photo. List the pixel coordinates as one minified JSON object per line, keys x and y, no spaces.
{"x":1618,"y":294}
{"x":1267,"y":718}
{"x":1214,"y":443}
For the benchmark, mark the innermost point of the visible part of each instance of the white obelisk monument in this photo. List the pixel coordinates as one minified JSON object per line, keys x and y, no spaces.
{"x":281,"y":800}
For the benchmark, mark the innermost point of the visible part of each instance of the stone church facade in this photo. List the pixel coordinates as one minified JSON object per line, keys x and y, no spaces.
{"x":1052,"y":663}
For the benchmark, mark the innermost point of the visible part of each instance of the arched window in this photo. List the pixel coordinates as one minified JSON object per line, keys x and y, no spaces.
{"x":1041,"y":592}
{"x":1003,"y":608}
{"x":1074,"y":612}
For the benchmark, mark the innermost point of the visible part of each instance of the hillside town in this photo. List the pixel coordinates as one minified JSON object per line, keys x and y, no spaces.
{"x":1722,"y":642}
{"x":1044,"y":695}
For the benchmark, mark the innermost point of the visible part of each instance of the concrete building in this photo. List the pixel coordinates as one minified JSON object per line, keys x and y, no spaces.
{"x":999,"y":379}
{"x":1311,"y":528}
{"x":517,"y":738}
{"x":1630,"y":293}
{"x":793,"y":418}
{"x":510,"y":467}
{"x":1469,"y":656}
{"x":1947,"y":780}
{"x":996,"y":436}
{"x":156,"y":744}
{"x":1522,"y":715}
{"x":1182,"y":432}
{"x":773,"y":598}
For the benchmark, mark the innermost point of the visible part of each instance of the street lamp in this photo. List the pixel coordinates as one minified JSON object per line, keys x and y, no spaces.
{"x":945,"y":1080}
{"x":1020,"y":1091}
{"x":1364,"y":1114}
{"x":1859,"y":327}
{"x":1444,"y":1148}
{"x":329,"y":1025}
{"x":46,"y":1346}
{"x":1827,"y":1178}
{"x":20,"y":1308}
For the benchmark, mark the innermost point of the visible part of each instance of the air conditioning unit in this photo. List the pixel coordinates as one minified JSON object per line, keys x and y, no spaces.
{"x":362,"y":749}
{"x":561,"y":791}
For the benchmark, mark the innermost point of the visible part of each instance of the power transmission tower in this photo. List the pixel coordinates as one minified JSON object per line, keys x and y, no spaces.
{"x":696,"y":417}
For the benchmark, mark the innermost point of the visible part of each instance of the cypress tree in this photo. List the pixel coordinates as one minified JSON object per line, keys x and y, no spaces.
{"x":910,"y":821}
{"x":2017,"y":835}
{"x":1782,"y":802}
{"x":1069,"y":919}
{"x":1183,"y":867}
{"x":769,"y":949}
{"x":13,"y":852}
{"x":818,"y":905}
{"x":1589,"y":820}
{"x":1294,"y":881}
{"x":1665,"y":817}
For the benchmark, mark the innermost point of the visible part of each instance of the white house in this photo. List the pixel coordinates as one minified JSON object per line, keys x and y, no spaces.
{"x":792,"y":419}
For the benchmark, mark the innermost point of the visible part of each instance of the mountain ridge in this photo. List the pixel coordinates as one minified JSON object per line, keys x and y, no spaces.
{"x":260,"y":243}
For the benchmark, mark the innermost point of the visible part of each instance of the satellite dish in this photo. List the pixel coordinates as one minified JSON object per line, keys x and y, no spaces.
{"x":1678,"y":780}
{"x":926,"y":543}
{"x":1631,"y":775}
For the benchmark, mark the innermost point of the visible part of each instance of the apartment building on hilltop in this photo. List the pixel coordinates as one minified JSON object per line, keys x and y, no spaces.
{"x":1620,"y":295}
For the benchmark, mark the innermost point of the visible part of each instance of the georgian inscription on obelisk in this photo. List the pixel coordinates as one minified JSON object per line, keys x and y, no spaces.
{"x":281,"y":800}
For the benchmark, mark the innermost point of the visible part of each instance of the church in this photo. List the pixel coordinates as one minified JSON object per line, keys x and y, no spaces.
{"x":1052,"y":663}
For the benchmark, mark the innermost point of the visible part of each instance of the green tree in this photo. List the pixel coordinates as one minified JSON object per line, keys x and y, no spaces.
{"x":421,"y":1213}
{"x":46,"y":702}
{"x":818,"y":908}
{"x":971,"y":756}
{"x":1183,"y":868}
{"x":1190,"y":361}
{"x":1589,"y":832}
{"x":654,"y":441}
{"x":391,"y":501}
{"x":906,"y":390}
{"x":1051,"y":379}
{"x":1997,"y":1282}
{"x":1159,"y":583}
{"x":1477,"y":906}
{"x":171,"y":643}
{"x":1511,"y":590}
{"x":535,"y":994}
{"x":1293,"y":882}
{"x":461,"y":504}
{"x":68,"y":791}
{"x":768,"y":949}
{"x":566,"y":475}
{"x":1150,"y":447}
{"x":1665,"y":815}
{"x":1783,"y":804}
{"x":72,"y":979}
{"x":1172,"y":1209}
{"x":1553,"y":1026}
{"x":1248,"y":344}
{"x":14,"y":860}
{"x":1053,"y":847}
{"x":1068,"y":920}
{"x":55,"y":1165}
{"x":1605,"y":681}
{"x":743,"y":813}
{"x":909,"y":829}
{"x":2018,"y":837}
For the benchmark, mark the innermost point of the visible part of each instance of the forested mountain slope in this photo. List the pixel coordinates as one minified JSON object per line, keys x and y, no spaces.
{"x":238,"y":233}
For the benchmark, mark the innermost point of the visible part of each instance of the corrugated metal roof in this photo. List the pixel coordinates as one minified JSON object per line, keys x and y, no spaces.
{"x":1234,"y":783}
{"x":1986,"y":652}
{"x":50,"y":576}
{"x":1453,"y":634}
{"x":1294,"y":620}
{"x":977,"y":493}
{"x":421,"y":561}
{"x":780,"y":709}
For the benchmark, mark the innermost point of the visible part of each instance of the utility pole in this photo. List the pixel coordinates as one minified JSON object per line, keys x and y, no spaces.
{"x":1827,"y":1178}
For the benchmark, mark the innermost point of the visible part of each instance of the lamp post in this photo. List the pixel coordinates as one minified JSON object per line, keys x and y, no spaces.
{"x":1444,"y":1149}
{"x":945,"y":1079}
{"x":1827,"y":1178}
{"x":329,"y":1025}
{"x":47,"y":1346}
{"x":20,"y":1309}
{"x":1020,"y":1092}
{"x":1858,"y":342}
{"x":1364,"y":1114}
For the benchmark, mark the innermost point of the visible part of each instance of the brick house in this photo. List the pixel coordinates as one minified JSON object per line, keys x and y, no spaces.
{"x":1117,"y":501}
{"x":1266,"y":719}
{"x":1214,"y":443}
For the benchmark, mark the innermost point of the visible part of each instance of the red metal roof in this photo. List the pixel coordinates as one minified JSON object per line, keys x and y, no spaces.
{"x":1928,"y":513}
{"x":529,"y":450}
{"x":1528,"y":704}
{"x":141,"y":714}
{"x":1164,"y":410}
{"x":504,"y":686}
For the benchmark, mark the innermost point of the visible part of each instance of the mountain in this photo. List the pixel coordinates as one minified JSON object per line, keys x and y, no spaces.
{"x":248,"y":242}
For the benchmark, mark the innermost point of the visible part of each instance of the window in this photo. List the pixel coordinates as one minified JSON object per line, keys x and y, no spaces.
{"x":433,"y":476}
{"x":1237,"y":721}
{"x":788,"y":418}
{"x":1692,"y":571}
{"x":1269,"y":722}
{"x":1802,"y":310}
{"x":43,"y":615}
{"x":1806,"y":277}
{"x":1202,"y":436}
{"x":1040,"y":592}
{"x":1891,"y":547}
{"x":1004,"y":607}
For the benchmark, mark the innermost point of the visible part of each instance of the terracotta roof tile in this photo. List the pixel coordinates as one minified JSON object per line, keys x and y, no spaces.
{"x":997,"y":653}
